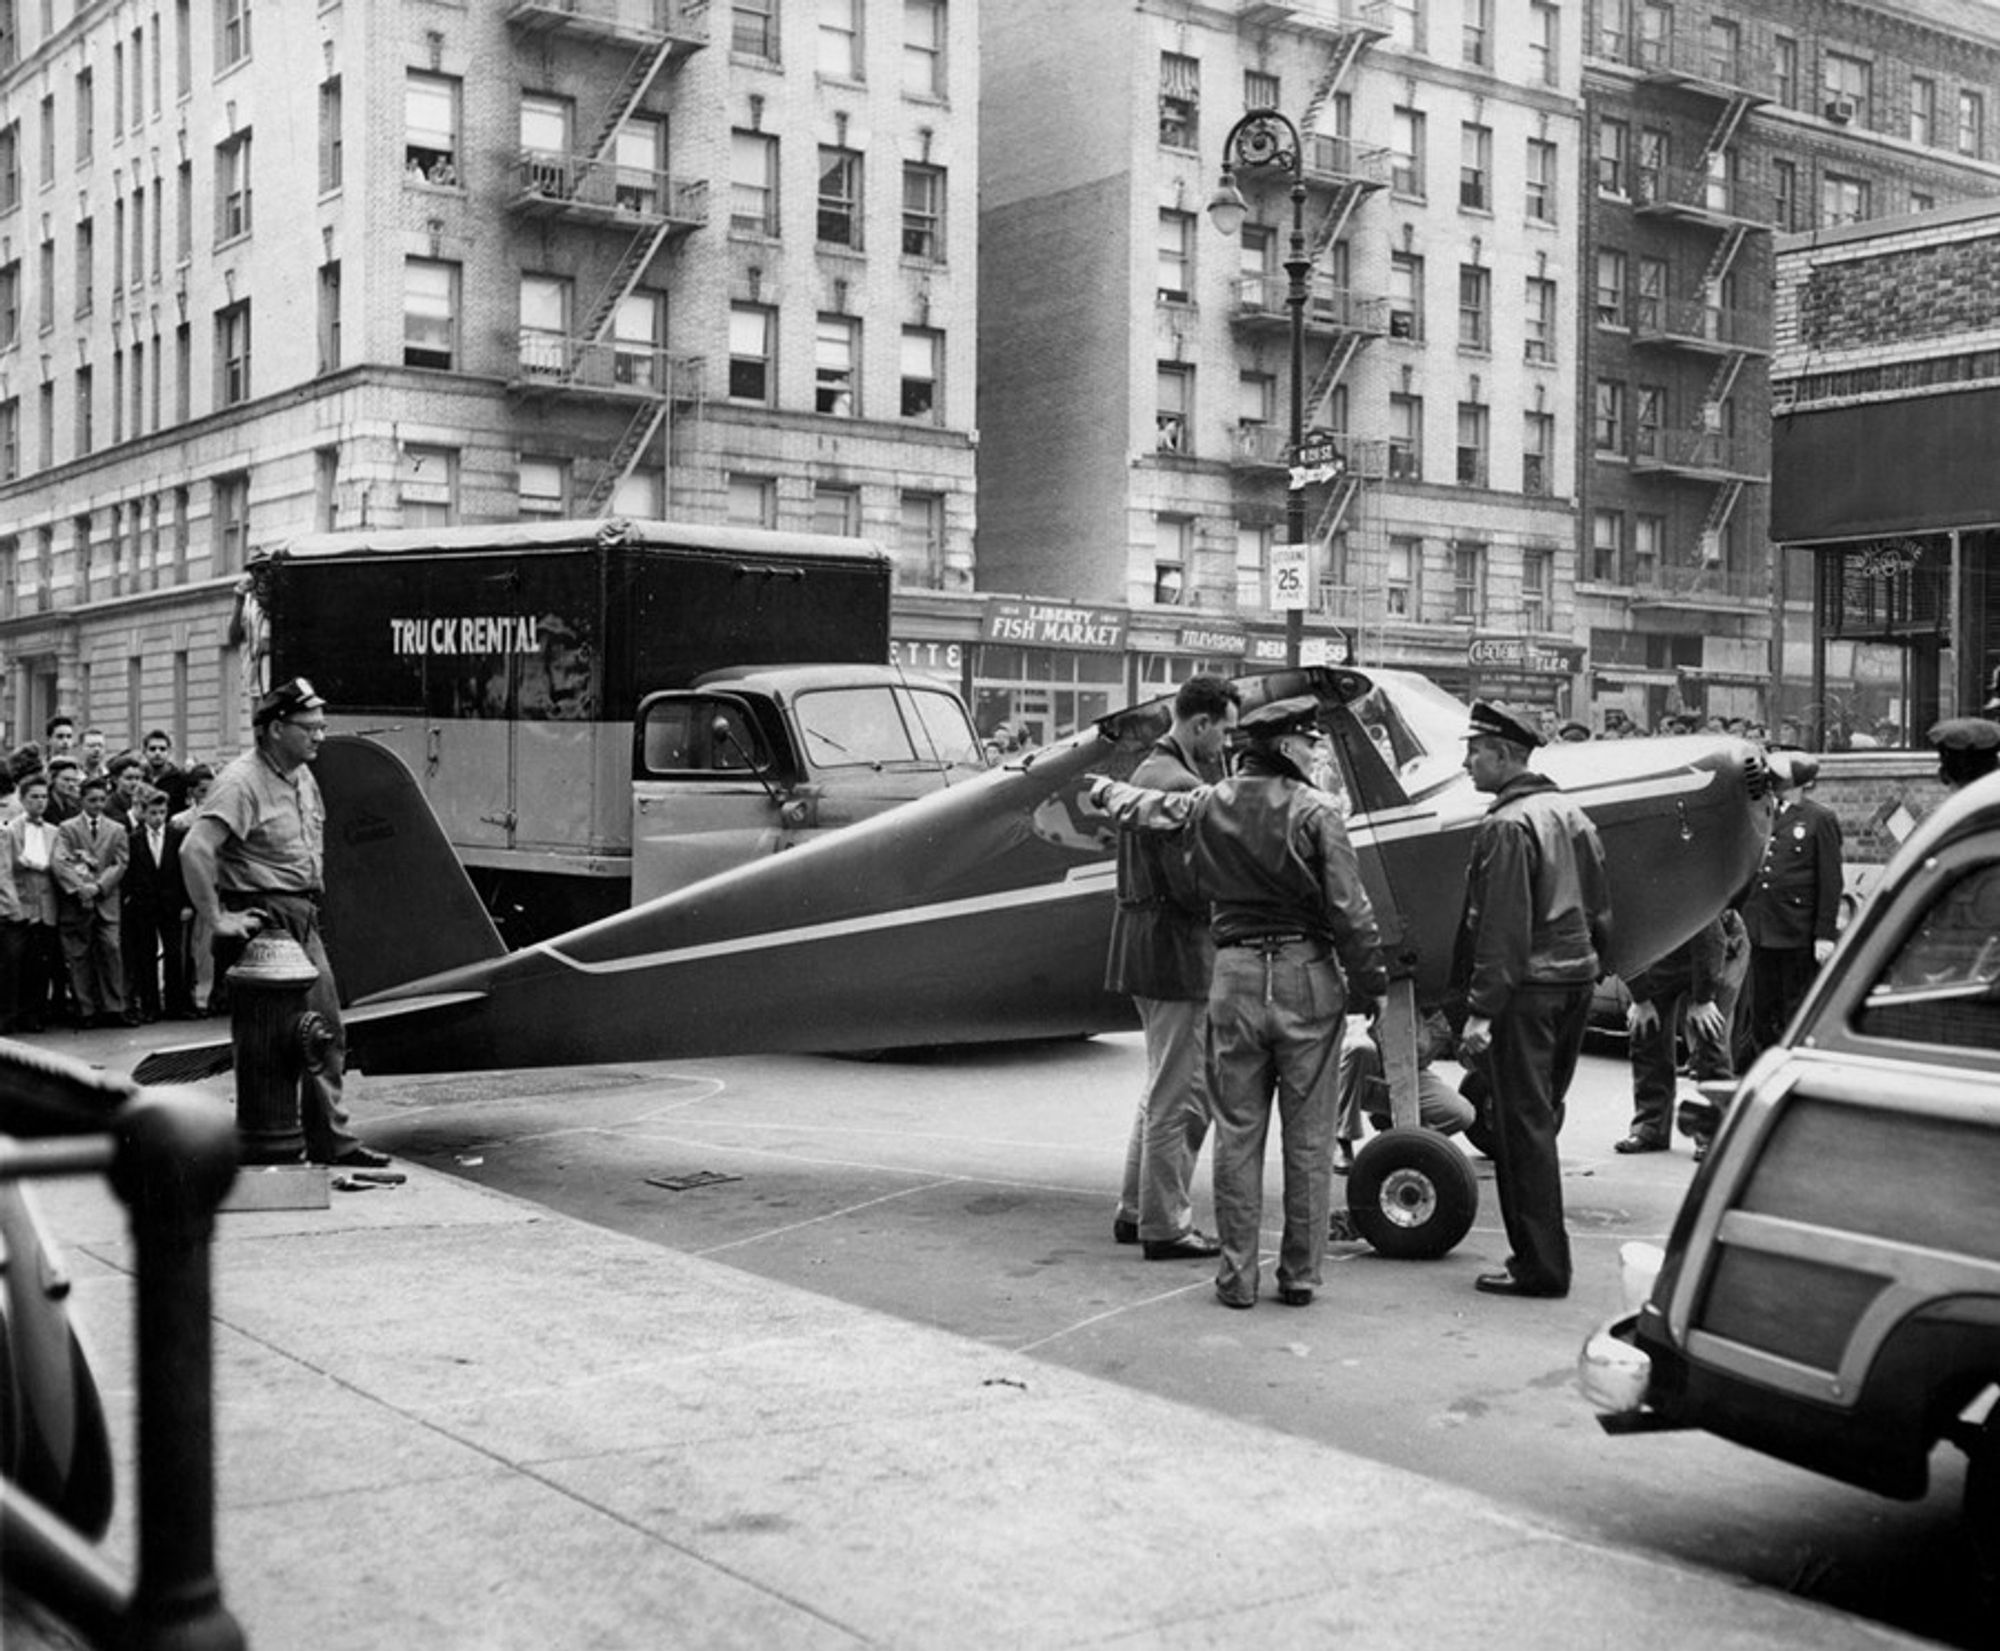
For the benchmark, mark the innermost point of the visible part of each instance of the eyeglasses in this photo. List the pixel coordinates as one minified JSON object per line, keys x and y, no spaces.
{"x":316,"y":729}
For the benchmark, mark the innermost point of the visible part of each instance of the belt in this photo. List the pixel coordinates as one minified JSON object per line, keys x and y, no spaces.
{"x":1269,"y":942}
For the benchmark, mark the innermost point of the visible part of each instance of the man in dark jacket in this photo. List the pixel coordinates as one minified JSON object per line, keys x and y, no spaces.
{"x":1160,"y":954}
{"x":1271,"y":855}
{"x":1792,"y":906}
{"x":153,"y":897}
{"x":1535,"y":927}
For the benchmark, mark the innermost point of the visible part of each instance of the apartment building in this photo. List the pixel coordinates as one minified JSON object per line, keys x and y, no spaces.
{"x":1136,"y":379}
{"x":1712,"y":128}
{"x":391,"y":263}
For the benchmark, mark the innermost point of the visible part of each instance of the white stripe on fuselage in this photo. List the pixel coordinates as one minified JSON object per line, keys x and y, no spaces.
{"x":1089,"y":882}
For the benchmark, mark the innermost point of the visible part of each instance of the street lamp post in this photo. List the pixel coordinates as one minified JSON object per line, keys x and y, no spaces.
{"x":1264,"y":137}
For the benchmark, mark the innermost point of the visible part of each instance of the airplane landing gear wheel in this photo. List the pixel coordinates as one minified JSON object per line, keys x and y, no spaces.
{"x":1411,"y":1194}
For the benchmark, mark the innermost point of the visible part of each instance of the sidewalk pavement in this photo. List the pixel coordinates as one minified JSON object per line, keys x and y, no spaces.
{"x":447,"y":1418}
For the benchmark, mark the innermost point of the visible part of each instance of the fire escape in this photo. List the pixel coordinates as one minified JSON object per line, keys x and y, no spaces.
{"x":612,"y":186}
{"x":1340,"y":174}
{"x":1709,"y":198}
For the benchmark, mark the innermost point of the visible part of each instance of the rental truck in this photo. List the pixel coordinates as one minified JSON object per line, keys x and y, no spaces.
{"x":603,"y":711}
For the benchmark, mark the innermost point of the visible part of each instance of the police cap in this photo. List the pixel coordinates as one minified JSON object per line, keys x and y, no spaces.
{"x":286,"y":700}
{"x":1489,"y":721}
{"x":1965,"y":734}
{"x":1297,"y":715}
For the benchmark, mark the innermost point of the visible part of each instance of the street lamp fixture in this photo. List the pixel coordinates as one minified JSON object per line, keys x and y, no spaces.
{"x":1266,"y":138}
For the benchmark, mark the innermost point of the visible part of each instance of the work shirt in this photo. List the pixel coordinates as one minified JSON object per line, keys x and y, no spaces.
{"x":1537,"y":902}
{"x":274,"y":825}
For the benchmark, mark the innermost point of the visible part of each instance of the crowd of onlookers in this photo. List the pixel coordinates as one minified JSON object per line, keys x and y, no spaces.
{"x":95,"y":924}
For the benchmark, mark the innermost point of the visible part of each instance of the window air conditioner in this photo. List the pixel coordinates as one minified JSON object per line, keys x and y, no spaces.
{"x":1841,"y":109}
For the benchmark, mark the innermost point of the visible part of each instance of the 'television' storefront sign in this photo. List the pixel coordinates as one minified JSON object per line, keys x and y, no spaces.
{"x":1027,"y":624}
{"x":1518,"y":653}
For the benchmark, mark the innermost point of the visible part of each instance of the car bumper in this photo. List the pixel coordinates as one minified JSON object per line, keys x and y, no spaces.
{"x":1615,"y":1372}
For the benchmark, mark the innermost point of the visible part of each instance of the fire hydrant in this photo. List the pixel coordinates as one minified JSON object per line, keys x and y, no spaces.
{"x":277,"y":1041}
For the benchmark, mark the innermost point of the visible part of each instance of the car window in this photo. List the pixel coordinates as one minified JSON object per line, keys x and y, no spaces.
{"x":944,"y":730}
{"x":695,"y":735}
{"x":1943,"y":983}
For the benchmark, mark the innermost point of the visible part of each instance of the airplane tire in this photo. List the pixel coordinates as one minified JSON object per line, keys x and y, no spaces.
{"x":1412,"y":1194}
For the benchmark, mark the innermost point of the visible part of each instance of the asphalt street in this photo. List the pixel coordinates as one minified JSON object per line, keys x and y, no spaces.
{"x":972,"y":1190}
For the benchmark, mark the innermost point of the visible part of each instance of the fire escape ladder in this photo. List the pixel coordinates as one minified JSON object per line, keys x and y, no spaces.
{"x":624,"y":457}
{"x":637,"y":259}
{"x":1334,"y":225}
{"x":1727,"y":124}
{"x":1726,"y":250}
{"x":1720,"y":384}
{"x":1346,"y":48}
{"x":1337,"y":362}
{"x":640,"y":74}
{"x":1720,"y":508}
{"x":1337,"y":503}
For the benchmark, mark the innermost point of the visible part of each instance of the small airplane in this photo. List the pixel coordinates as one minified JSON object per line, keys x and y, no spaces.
{"x":976,"y":914}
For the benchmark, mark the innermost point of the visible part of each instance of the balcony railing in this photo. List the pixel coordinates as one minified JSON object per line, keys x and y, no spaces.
{"x":1328,"y":307}
{"x":1697,"y":325}
{"x":1704,"y":63}
{"x":1700,"y":453}
{"x":1700,"y":584}
{"x":1342,"y":160}
{"x":640,"y":21}
{"x":1699,"y":196}
{"x":1338,"y":16}
{"x":612,"y":367}
{"x":575,"y":186}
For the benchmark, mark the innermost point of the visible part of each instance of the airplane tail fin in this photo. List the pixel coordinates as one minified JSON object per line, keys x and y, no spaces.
{"x":399,"y":905}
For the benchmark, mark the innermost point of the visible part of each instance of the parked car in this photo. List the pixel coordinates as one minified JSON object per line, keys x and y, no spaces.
{"x":1830,"y":1291}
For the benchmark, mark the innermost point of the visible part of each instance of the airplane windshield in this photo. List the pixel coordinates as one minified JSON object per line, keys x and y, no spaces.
{"x":1417,"y":727}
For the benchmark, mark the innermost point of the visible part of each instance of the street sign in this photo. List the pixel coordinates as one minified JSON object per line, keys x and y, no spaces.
{"x":1290,"y":571}
{"x":1317,"y":450}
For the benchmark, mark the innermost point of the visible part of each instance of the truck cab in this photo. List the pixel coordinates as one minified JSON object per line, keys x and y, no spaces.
{"x":747,"y":762}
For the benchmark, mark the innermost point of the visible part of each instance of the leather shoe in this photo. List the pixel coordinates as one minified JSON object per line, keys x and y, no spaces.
{"x":1125,"y":1232}
{"x":1295,"y":1295}
{"x":1506,"y":1284}
{"x":1190,"y":1246}
{"x":1343,"y":1157}
{"x":1639,"y":1143}
{"x":1231,"y":1301}
{"x":360,"y":1158}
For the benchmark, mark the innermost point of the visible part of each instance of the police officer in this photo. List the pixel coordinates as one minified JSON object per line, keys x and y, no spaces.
{"x":1968,"y":748}
{"x":1535,"y":928}
{"x":1271,"y":855}
{"x":1791,"y":909}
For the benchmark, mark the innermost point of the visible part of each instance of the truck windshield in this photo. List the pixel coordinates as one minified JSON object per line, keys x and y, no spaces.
{"x":877,"y":726}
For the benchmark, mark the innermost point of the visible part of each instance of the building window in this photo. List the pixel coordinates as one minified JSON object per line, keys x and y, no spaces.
{"x":1406,"y":24}
{"x":1261,"y":90}
{"x":1475,"y":308}
{"x":545,"y":124}
{"x":1650,"y":169}
{"x":1538,"y":455}
{"x":1475,"y":167}
{"x":839,"y":197}
{"x":920,"y":540}
{"x":1971,"y":123}
{"x":1176,"y":257}
{"x":1402,"y":579}
{"x":1473,"y":422}
{"x":1180,"y":101}
{"x":86,"y":116}
{"x":331,"y":156}
{"x":183,"y":371}
{"x":752,"y":331}
{"x":430,"y":129}
{"x":1649,"y":535}
{"x":836,"y":356}
{"x":1406,"y":438}
{"x":638,"y":341}
{"x":1923,"y":110}
{"x":923,"y":212}
{"x":1538,"y":590}
{"x":543,"y":488}
{"x":1476,"y":40}
{"x":326,"y":493}
{"x":753,"y":183}
{"x":1922,"y":201}
{"x":1649,"y":418}
{"x":1173,"y":550}
{"x":1785,"y":70}
{"x":1610,"y":289}
{"x":184,"y":211}
{"x":753,"y":500}
{"x":1846,"y":82}
{"x":232,"y":40}
{"x":10,"y":166}
{"x":1406,"y":296}
{"x":86,"y":271}
{"x":10,"y":439}
{"x":232,"y":354}
{"x":1785,"y":194}
{"x":840,"y":39}
{"x":1541,"y":203}
{"x":1607,"y":546}
{"x":1406,"y":152}
{"x":231,"y":524}
{"x":837,"y":510}
{"x":10,"y":304}
{"x":1649,"y":309}
{"x":1608,"y":421}
{"x":1614,"y":142}
{"x":1544,"y":43}
{"x":922,"y":368}
{"x":45,"y":296}
{"x":430,"y":312}
{"x":86,"y":413}
{"x":427,"y":485}
{"x":1468,"y":582}
{"x":923,"y":48}
{"x":1842,"y":200}
{"x":1539,"y":319}
{"x":47,"y":127}
{"x":1173,"y":408}
{"x":232,"y":188}
{"x":329,"y":316}
{"x":753,"y":29}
